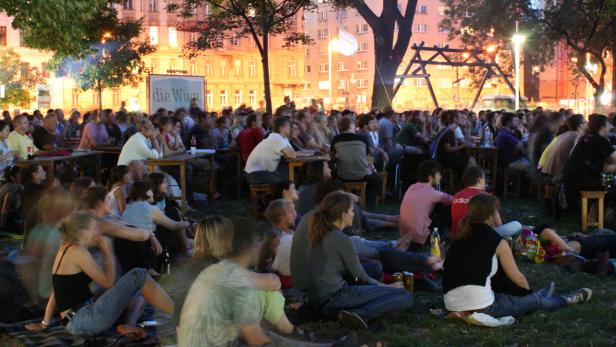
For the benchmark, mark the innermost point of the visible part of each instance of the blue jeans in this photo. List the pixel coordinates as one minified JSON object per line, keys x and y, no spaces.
{"x":97,"y":317}
{"x":510,"y":229}
{"x":509,"y":305}
{"x":267,"y":177}
{"x":369,"y":301}
{"x":392,"y":259}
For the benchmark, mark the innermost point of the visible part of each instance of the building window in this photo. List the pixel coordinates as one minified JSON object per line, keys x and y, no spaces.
{"x":363,"y":83}
{"x":127,"y":4}
{"x":322,"y":51}
{"x":237,"y":65}
{"x":342,"y":84}
{"x":252,"y":69}
{"x":193,"y":68}
{"x":153,"y":5}
{"x":292,"y":67}
{"x":154,"y":36}
{"x":115,"y":97}
{"x":307,"y":68}
{"x":173,"y":37}
{"x":307,"y":86}
{"x":322,"y":16}
{"x":443,"y":30}
{"x":207,"y":10}
{"x":444,"y":83}
{"x":208,"y":69}
{"x":223,"y":68}
{"x":3,"y":36}
{"x":238,"y":97}
{"x":209,"y":97}
{"x":252,"y":97}
{"x":362,"y":28}
{"x":224,"y":100}
{"x":342,"y":66}
{"x":422,"y":9}
{"x":362,"y":65}
{"x":235,"y":41}
{"x":420,"y":28}
{"x":363,"y":47}
{"x":75,"y":98}
{"x":341,"y":14}
{"x":193,"y":37}
{"x":323,"y":33}
{"x":419,"y":82}
{"x":323,"y":68}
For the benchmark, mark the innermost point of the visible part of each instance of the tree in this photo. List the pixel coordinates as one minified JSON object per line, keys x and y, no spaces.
{"x":113,"y":55}
{"x":53,"y":25}
{"x":387,"y":51}
{"x":233,"y":19}
{"x":585,"y":27}
{"x":18,"y":79}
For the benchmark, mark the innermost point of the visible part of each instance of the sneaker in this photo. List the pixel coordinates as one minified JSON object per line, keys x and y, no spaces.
{"x":351,"y":320}
{"x":579,"y":296}
{"x":547,"y":291}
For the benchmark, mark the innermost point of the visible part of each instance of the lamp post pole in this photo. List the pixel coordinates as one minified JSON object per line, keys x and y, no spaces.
{"x":518,"y":39}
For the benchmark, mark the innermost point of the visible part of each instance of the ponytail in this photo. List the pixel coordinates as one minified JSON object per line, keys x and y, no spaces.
{"x":332,"y":208}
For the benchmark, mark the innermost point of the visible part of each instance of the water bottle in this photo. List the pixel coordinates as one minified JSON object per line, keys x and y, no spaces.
{"x":487,"y":137}
{"x":166,"y":268}
{"x":435,"y":249}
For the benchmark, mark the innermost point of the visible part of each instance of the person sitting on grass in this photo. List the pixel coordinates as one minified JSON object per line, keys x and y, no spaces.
{"x":331,"y":253}
{"x":476,"y":255}
{"x":276,"y":253}
{"x":423,"y":207}
{"x":475,"y":183}
{"x":74,"y":269}
{"x":224,"y":305}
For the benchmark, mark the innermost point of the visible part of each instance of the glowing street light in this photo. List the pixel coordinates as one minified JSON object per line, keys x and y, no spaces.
{"x":518,"y":40}
{"x":491,"y":49}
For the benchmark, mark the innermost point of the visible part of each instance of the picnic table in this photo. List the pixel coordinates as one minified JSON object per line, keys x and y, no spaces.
{"x":49,"y":161}
{"x":487,"y":159}
{"x":180,"y":160}
{"x":296,"y":163}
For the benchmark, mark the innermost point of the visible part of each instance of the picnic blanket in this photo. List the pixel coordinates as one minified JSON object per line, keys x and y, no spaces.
{"x":56,"y":336}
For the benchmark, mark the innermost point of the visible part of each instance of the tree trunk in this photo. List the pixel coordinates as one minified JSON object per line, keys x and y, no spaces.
{"x":100,"y":95}
{"x":266,"y":76}
{"x":599,"y":108}
{"x":384,"y":77}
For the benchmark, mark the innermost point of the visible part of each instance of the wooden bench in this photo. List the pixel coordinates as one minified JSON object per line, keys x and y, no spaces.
{"x":256,"y":191}
{"x":513,"y":176}
{"x":592,"y":195}
{"x":358,"y":188}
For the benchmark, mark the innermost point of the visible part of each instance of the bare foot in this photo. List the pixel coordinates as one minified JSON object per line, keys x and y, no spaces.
{"x":125,"y":330}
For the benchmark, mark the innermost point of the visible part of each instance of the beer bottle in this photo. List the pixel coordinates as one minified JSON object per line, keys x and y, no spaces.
{"x":166,"y":262}
{"x":435,"y":249}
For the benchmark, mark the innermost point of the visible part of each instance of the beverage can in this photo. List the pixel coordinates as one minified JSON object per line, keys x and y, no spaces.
{"x":398,"y":277}
{"x":408,"y":279}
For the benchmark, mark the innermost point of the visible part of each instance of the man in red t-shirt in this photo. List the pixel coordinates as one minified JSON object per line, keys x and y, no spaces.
{"x":475,"y":182}
{"x":250,"y":137}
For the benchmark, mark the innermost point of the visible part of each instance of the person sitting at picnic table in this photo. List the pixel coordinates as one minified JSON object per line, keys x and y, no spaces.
{"x":351,"y":153}
{"x":265,"y":164}
{"x":423,"y":207}
{"x":33,"y":180}
{"x":223,"y":307}
{"x":330,"y":254}
{"x":250,"y":137}
{"x":555,"y":156}
{"x":477,"y":255}
{"x":18,"y":139}
{"x":94,"y":133}
{"x":446,"y":149}
{"x":368,"y":128}
{"x":73,"y":270}
{"x":72,"y":129}
{"x":44,"y":136}
{"x":170,"y":136}
{"x":108,"y":118}
{"x":511,"y":150}
{"x":141,"y":146}
{"x":7,"y":157}
{"x":221,"y":133}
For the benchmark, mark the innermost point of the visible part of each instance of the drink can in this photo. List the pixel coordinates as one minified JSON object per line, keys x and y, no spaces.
{"x":409,"y":279}
{"x":398,"y":277}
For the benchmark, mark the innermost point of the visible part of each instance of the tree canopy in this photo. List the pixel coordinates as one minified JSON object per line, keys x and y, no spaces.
{"x":18,"y":78}
{"x":258,"y":20}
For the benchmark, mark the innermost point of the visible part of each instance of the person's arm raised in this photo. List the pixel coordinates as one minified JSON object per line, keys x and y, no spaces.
{"x":115,"y":229}
{"x":105,"y":278}
{"x":161,"y":219}
{"x":505,"y":257}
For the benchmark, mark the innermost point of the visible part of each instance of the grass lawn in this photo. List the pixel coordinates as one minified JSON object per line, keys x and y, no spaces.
{"x":589,"y":324}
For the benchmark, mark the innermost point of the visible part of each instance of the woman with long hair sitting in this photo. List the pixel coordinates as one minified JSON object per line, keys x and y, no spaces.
{"x":73,"y":270}
{"x":331,"y":253}
{"x":477,"y":254}
{"x":118,"y":183}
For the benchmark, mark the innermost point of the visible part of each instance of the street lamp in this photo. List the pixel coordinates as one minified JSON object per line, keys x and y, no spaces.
{"x":331,"y":46}
{"x":518,"y":40}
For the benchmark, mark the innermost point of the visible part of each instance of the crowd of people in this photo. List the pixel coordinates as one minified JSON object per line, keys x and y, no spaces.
{"x":317,"y":245}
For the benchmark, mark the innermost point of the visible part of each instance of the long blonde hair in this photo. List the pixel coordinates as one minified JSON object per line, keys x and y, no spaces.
{"x":331,"y":209}
{"x":214,"y":237}
{"x":72,"y":227}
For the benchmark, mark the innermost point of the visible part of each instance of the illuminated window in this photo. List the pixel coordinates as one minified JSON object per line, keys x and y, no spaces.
{"x":362,"y":28}
{"x":252,"y":69}
{"x":238,"y":97}
{"x":238,"y":67}
{"x":154,"y":36}
{"x":173,"y":37}
{"x":292,"y":68}
{"x":224,"y":99}
{"x":127,"y":4}
{"x":208,"y":69}
{"x":252,"y":95}
{"x":153,"y":5}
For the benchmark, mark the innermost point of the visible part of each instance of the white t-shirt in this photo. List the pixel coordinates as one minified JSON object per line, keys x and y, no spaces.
{"x":458,"y":133}
{"x":282,"y":261}
{"x":267,"y":154}
{"x":472,"y":297}
{"x":138,"y":147}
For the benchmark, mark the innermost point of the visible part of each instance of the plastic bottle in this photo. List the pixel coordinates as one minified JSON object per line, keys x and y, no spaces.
{"x":435,"y":240}
{"x":166,"y":268}
{"x":487,"y":137}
